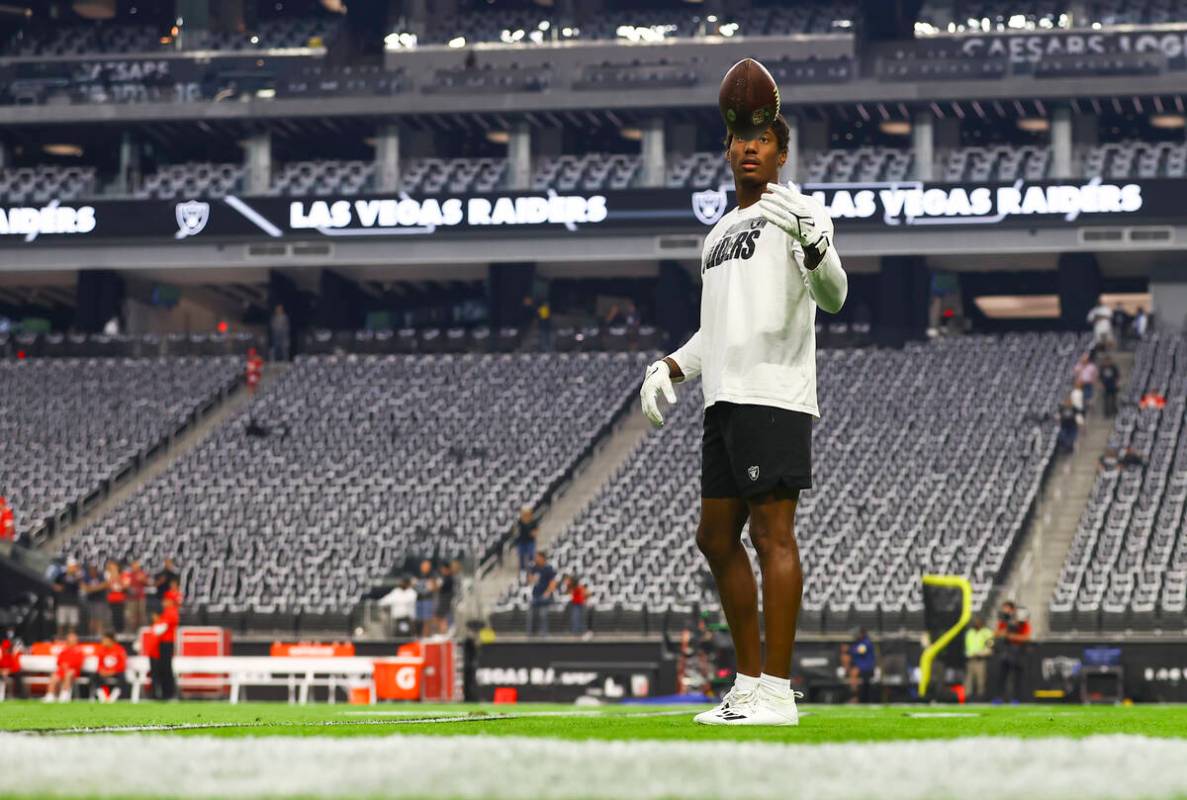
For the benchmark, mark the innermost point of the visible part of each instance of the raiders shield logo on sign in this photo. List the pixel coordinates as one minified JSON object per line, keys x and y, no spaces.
{"x":708,"y":205}
{"x":753,"y":473}
{"x":191,"y":218}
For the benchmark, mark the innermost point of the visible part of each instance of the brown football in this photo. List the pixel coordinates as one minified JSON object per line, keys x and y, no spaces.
{"x":749,"y":99}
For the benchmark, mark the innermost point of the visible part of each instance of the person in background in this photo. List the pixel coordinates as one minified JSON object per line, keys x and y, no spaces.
{"x":113,"y":663}
{"x":863,"y":661}
{"x":279,"y":327}
{"x":1069,"y":426}
{"x":95,"y":589}
{"x":1140,"y":322}
{"x":544,"y":325}
{"x":10,"y":666}
{"x":68,"y":587}
{"x":255,"y":370}
{"x":543,"y":581}
{"x":1108,"y":461}
{"x":1120,"y":324}
{"x":575,"y":589}
{"x":1013,"y":629}
{"x":69,"y":668}
{"x":1076,"y":398}
{"x":446,"y":590}
{"x":166,"y":631}
{"x":117,"y":595}
{"x":7,"y":522}
{"x":426,"y":598}
{"x":1085,"y":374}
{"x":978,"y":646}
{"x":1101,"y":320}
{"x":525,"y":540}
{"x":401,"y":605}
{"x":1109,"y":377}
{"x":173,"y":593}
{"x":163,"y":580}
{"x":137,"y":581}
{"x":150,"y":648}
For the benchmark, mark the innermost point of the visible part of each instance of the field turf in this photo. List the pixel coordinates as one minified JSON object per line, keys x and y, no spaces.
{"x":545,"y":752}
{"x":819,"y":723}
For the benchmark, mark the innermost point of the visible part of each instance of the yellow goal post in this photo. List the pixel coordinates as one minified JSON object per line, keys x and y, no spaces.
{"x":945,"y":638}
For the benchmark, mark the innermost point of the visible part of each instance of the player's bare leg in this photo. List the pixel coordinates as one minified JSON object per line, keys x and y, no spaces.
{"x":719,"y":538}
{"x":772,"y":529}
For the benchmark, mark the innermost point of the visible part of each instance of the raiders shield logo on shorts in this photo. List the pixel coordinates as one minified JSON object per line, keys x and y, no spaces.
{"x":753,"y":473}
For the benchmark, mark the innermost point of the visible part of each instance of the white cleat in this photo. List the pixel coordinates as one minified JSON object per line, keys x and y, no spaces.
{"x":714,"y":715}
{"x":49,"y":698}
{"x":760,"y":707}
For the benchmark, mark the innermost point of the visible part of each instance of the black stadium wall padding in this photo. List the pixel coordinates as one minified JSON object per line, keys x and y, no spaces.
{"x":677,"y":302}
{"x":901,"y":313}
{"x":1079,"y":288}
{"x":341,"y":304}
{"x":100,"y":296}
{"x":510,"y":283}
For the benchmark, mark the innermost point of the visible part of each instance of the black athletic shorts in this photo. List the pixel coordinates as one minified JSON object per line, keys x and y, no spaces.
{"x":748,"y":450}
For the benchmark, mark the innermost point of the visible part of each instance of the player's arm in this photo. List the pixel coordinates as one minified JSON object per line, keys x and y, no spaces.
{"x":807,"y":222}
{"x":682,"y":365}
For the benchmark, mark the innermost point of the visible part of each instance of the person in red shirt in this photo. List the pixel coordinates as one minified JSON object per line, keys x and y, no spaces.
{"x":136,"y":580}
{"x":577,"y":598}
{"x":173,"y":594}
{"x":255,"y":370}
{"x":10,"y":665}
{"x":1014,"y":633}
{"x":7,"y":522}
{"x":113,"y":663}
{"x":70,"y":661}
{"x":117,"y":594}
{"x":165,"y":629}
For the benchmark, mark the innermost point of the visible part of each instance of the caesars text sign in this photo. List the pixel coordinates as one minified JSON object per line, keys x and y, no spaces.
{"x":1036,"y":47}
{"x":854,"y":206}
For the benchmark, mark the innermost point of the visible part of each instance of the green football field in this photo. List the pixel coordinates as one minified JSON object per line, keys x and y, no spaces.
{"x":207,"y":749}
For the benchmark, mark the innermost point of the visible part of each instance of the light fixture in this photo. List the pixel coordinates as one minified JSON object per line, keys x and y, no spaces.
{"x":895,"y":127}
{"x":62,"y":149}
{"x":1168,"y":121}
{"x":265,"y":94}
{"x":498,"y":137}
{"x":457,"y":41}
{"x":634,"y":134}
{"x":1034,"y":124}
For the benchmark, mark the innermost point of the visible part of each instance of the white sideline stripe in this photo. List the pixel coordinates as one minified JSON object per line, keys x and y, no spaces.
{"x":407,"y":718}
{"x":516,"y":768}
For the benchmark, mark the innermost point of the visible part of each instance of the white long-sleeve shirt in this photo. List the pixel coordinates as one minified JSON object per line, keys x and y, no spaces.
{"x":757,"y":340}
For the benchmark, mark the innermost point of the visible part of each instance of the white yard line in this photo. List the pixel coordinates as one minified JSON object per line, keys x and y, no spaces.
{"x":405,"y":718}
{"x":511,"y":768}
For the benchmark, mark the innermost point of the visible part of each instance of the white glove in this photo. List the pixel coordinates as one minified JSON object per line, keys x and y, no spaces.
{"x":658,"y":379}
{"x":801,"y":217}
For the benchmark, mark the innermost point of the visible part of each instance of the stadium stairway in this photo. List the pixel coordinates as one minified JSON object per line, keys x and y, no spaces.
{"x":1044,"y":546}
{"x":168,"y":455}
{"x":589,"y":478}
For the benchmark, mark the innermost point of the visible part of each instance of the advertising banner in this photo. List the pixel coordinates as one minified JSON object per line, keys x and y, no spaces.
{"x":893,"y":205}
{"x":561,"y":672}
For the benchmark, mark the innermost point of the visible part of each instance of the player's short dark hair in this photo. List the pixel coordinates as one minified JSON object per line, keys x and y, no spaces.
{"x":779,"y":126}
